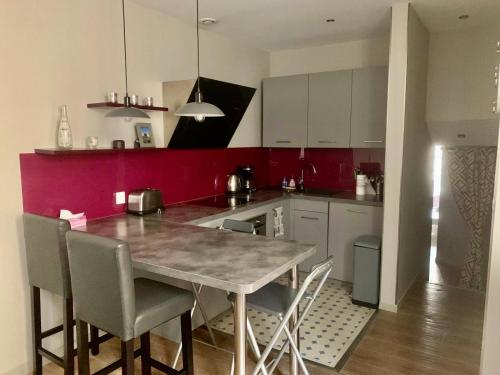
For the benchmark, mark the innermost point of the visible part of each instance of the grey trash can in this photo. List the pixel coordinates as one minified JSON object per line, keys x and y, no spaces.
{"x":366,"y":278}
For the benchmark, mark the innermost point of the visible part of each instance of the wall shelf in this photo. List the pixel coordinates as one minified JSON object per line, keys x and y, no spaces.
{"x":107,"y":105}
{"x":81,"y":151}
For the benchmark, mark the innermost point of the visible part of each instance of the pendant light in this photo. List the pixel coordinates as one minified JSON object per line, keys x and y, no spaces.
{"x":199,"y":109}
{"x":128,"y":110}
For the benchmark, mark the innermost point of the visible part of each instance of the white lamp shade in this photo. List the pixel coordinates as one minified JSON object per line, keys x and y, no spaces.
{"x":199,"y":109}
{"x":127,"y":112}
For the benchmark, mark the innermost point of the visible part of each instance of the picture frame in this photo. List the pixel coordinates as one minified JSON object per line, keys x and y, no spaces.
{"x":144,"y":133}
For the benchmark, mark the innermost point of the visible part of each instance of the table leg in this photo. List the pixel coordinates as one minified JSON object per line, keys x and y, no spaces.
{"x":293,"y":282}
{"x":240,"y":319}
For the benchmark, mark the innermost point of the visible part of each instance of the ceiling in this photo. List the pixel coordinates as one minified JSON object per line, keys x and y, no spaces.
{"x":287,"y":24}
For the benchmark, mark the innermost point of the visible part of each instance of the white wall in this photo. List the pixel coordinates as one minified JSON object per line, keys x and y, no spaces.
{"x":338,"y":56}
{"x":490,"y":360}
{"x":56,"y":52}
{"x":406,"y":235}
{"x":416,"y":180}
{"x":394,"y":154}
{"x":460,"y":86}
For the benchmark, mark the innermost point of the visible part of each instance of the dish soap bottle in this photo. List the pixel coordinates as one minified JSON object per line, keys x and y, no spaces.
{"x":64,"y":137}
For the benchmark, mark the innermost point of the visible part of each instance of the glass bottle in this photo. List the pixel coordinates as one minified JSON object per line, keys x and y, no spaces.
{"x":64,"y":137}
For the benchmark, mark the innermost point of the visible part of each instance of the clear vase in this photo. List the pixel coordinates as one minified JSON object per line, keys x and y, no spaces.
{"x":64,"y":136}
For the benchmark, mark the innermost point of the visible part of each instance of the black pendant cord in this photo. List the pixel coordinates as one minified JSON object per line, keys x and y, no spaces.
{"x":198,"y":42}
{"x":125,"y":50}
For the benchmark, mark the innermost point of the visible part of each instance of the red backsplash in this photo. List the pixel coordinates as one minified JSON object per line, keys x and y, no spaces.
{"x":87,"y":182}
{"x":334,"y":167}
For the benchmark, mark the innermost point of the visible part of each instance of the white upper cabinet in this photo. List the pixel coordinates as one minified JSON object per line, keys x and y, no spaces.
{"x":369,"y":107}
{"x":329,"y":115}
{"x":285,"y":111}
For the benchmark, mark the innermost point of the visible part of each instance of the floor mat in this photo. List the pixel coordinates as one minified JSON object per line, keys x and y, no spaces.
{"x":331,"y":327}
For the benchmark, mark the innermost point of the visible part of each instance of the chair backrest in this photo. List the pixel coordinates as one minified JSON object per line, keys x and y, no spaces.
{"x":47,"y":254}
{"x":103,"y":284}
{"x":238,"y":226}
{"x":320,"y":269}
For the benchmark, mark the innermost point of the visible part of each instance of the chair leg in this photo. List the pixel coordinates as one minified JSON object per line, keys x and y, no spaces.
{"x":128,"y":357}
{"x":82,"y":336}
{"x":36,"y":329}
{"x":69,"y":340}
{"x":187,"y":343}
{"x":94,"y":337}
{"x":146,"y":354}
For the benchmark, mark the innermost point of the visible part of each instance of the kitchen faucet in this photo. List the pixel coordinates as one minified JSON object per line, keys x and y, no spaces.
{"x":301,"y":180}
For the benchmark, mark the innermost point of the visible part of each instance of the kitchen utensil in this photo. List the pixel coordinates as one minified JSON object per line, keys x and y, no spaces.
{"x":118,"y":144}
{"x":92,"y":142}
{"x":247,"y":174}
{"x":145,"y":201}
{"x":148,"y":101}
{"x":234,"y":183}
{"x":113,"y":97}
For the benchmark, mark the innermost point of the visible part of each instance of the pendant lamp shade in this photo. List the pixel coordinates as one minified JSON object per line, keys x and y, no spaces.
{"x":199,"y":109}
{"x":127,"y":110}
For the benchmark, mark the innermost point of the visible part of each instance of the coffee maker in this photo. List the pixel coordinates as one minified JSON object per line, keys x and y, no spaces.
{"x":247,"y":174}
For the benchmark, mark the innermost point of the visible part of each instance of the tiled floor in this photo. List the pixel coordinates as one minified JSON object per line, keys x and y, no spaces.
{"x":328,"y":331}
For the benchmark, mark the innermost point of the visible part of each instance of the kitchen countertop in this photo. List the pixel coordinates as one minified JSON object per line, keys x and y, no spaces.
{"x":172,"y":245}
{"x":237,"y":262}
{"x":194,"y":213}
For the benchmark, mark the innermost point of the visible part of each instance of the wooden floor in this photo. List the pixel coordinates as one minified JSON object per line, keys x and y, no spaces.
{"x":437,"y":331}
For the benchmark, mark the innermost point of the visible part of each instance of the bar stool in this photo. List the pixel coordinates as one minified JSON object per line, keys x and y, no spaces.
{"x":107,"y":296}
{"x":48,"y":269}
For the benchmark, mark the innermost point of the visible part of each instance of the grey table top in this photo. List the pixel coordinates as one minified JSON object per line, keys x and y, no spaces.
{"x":236,"y":262}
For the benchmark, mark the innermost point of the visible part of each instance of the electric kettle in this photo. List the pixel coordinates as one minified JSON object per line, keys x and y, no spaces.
{"x":234,"y":184}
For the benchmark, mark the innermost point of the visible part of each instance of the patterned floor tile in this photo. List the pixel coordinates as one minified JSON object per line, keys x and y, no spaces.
{"x":328,"y":331}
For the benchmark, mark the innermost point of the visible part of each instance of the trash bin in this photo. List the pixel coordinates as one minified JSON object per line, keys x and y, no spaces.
{"x":366,"y":277}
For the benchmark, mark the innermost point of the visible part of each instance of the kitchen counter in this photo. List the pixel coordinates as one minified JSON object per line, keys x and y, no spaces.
{"x":194,"y":212}
{"x":236,"y":262}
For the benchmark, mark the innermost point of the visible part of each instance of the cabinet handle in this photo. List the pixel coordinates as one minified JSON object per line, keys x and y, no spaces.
{"x":357,"y":212}
{"x":309,"y":218}
{"x":283,"y":141}
{"x":373,"y":141}
{"x":327,"y":141}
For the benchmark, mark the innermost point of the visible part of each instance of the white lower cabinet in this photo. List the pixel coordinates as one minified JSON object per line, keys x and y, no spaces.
{"x":346,"y":222}
{"x":310,"y":227}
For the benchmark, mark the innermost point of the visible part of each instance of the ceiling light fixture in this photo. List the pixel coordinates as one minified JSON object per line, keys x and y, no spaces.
{"x":128,"y":110}
{"x":329,"y":20}
{"x":199,"y":109}
{"x":463,"y":17}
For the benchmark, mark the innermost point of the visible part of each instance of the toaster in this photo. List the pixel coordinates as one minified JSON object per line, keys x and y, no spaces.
{"x":145,"y":201}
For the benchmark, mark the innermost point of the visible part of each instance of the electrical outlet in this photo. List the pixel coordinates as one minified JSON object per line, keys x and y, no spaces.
{"x":120,"y":197}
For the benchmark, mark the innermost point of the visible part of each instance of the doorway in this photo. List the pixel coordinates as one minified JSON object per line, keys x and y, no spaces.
{"x":463,"y":181}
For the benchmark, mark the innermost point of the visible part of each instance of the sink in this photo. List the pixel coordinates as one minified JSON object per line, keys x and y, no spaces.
{"x":318,"y":191}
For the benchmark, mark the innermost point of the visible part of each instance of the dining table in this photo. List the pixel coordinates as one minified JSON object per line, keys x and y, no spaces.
{"x":238,"y":263}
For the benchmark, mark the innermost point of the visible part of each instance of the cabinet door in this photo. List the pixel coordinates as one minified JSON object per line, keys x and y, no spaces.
{"x":311,"y":228}
{"x":285,"y":111}
{"x":347,"y":222}
{"x":329,"y":122}
{"x":369,"y":107}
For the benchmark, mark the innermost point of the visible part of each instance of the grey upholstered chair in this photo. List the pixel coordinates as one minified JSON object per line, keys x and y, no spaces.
{"x":48,"y":269}
{"x":107,"y":296}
